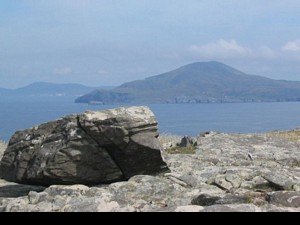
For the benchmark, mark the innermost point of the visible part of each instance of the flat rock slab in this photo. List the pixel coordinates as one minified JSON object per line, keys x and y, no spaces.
{"x":207,"y":200}
{"x":285,"y":198}
{"x":279,"y":181}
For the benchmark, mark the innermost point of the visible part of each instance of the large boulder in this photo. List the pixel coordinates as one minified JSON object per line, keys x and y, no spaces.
{"x":90,"y":148}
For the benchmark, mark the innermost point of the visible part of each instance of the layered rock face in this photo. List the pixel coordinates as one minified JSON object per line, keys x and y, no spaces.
{"x":89,"y":148}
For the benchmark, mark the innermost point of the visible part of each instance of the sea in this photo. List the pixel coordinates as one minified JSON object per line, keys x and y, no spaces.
{"x":178,"y":119}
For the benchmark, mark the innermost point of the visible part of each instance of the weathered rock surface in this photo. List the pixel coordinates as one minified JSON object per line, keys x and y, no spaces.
{"x":89,"y":148}
{"x":285,"y":198}
{"x":220,"y":177}
{"x":207,"y":200}
{"x":140,"y":193}
{"x":2,"y":149}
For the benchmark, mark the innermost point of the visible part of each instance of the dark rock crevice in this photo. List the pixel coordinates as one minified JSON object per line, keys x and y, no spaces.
{"x":107,"y":147}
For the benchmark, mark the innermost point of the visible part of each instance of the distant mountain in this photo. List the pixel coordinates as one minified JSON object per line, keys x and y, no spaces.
{"x":42,"y":89}
{"x":196,"y":83}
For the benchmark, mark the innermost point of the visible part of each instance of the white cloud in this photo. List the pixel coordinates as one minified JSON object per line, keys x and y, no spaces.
{"x":292,"y":46}
{"x":266,"y":53}
{"x":224,"y":49}
{"x":62,"y":71}
{"x":221,"y":48}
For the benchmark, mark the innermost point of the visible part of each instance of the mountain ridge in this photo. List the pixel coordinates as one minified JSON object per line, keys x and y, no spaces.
{"x":42,"y":89}
{"x":196,"y":83}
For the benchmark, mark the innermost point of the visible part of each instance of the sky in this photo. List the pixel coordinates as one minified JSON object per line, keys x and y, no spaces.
{"x":101,"y":42}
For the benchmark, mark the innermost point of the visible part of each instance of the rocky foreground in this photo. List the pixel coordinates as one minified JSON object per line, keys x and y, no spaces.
{"x":211,"y":173}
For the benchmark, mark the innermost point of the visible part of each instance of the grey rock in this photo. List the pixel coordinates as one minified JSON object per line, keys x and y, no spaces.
{"x":187,"y":142}
{"x":208,"y":200}
{"x":257,"y":183}
{"x":279,"y":181}
{"x":221,"y":182}
{"x":71,"y":191}
{"x":140,"y":193}
{"x":285,"y":198}
{"x":205,"y":200}
{"x":148,"y":192}
{"x":35,"y":197}
{"x":16,"y":205}
{"x":94,"y":205}
{"x":234,"y":179}
{"x":273,"y":208}
{"x":89,"y":148}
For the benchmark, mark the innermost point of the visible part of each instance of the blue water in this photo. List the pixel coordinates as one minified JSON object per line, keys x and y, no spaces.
{"x":181,"y":119}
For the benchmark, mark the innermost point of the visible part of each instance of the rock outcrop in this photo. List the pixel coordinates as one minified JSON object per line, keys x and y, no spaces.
{"x":90,"y":148}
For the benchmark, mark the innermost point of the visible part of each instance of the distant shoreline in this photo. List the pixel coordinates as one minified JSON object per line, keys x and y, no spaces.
{"x":182,"y":103}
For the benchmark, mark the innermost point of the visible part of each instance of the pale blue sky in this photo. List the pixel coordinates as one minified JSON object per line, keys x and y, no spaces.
{"x":108,"y":42}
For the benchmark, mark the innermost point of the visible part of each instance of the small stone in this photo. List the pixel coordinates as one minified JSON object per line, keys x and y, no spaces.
{"x":35,"y":198}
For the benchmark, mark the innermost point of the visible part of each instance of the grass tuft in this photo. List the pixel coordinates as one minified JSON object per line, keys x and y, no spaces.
{"x":182,"y":150}
{"x":293,"y":135}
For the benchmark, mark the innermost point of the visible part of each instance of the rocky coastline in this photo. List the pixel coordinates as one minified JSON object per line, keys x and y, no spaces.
{"x":213,"y":172}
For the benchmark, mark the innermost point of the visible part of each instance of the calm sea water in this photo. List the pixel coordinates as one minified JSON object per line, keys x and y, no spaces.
{"x":181,"y":119}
